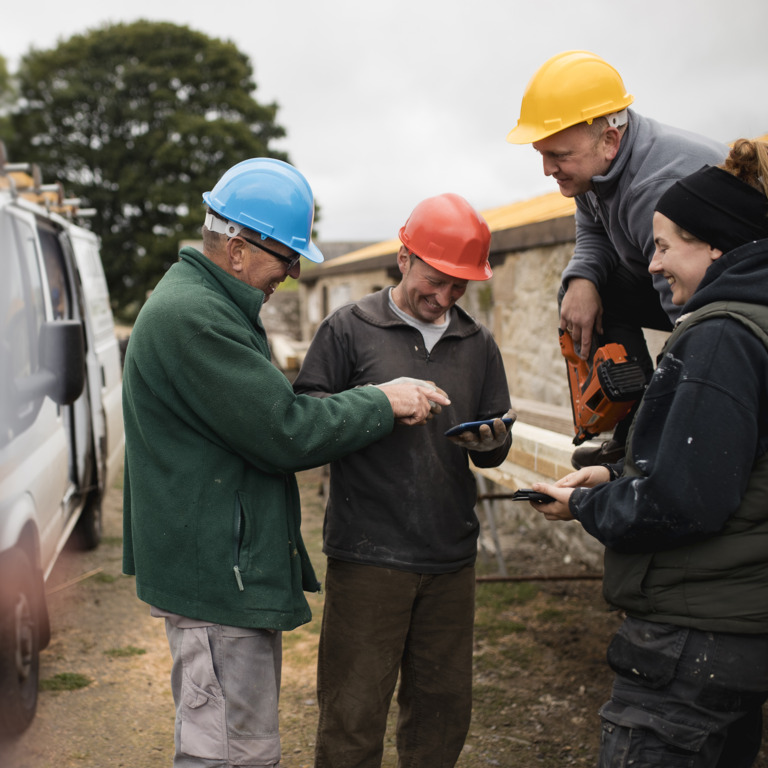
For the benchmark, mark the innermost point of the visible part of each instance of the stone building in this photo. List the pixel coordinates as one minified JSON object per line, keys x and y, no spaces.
{"x":531,"y":243}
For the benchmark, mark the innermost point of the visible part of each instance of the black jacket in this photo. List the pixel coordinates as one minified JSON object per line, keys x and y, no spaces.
{"x":407,"y":501}
{"x":686,"y":527}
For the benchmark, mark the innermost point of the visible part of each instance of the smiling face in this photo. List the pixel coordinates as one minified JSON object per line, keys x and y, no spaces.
{"x":258,"y":267}
{"x":680,"y":258}
{"x":424,"y":292}
{"x":575,"y":155}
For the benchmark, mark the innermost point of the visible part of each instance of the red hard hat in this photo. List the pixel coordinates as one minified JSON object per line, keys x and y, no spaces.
{"x":450,"y":235}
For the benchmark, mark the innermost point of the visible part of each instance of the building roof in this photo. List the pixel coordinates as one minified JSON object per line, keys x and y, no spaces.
{"x":543,"y":208}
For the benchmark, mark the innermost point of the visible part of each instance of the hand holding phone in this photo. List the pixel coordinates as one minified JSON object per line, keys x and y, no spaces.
{"x":526,"y":494}
{"x":474,"y":426}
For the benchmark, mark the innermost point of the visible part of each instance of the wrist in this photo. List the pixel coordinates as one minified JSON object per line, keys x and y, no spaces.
{"x":612,"y":473}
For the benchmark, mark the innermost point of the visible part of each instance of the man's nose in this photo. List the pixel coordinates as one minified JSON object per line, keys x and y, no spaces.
{"x":444,"y":296}
{"x":550,"y":166}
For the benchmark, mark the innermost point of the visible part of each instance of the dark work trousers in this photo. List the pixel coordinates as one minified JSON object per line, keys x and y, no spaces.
{"x":683,"y":698}
{"x":630,"y":303}
{"x":378,"y":622}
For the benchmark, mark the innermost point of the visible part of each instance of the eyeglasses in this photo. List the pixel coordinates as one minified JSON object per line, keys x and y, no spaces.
{"x":289,"y":261}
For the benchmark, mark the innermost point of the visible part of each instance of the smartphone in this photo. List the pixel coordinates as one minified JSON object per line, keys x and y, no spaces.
{"x":474,"y":426}
{"x":526,"y":494}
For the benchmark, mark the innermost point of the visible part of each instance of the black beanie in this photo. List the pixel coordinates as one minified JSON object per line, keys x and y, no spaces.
{"x":717,"y":208}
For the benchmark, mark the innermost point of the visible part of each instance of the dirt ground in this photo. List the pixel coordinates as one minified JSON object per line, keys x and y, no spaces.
{"x":540,"y":672}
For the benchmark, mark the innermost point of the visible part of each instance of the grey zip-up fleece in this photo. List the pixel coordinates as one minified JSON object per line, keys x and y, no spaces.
{"x":615,"y":222}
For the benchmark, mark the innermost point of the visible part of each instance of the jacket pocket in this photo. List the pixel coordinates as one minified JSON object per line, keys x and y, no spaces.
{"x":265,"y":561}
{"x":238,"y":535}
{"x":647,"y":652}
{"x":202,"y":727}
{"x":624,"y":585}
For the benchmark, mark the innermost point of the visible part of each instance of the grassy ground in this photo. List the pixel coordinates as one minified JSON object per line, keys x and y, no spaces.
{"x":105,"y":700}
{"x":539,"y":665}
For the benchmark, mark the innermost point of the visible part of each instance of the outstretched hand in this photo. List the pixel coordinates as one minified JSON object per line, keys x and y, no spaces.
{"x":414,"y":401}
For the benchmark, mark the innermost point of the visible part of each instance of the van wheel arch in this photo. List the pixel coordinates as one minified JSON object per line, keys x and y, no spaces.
{"x":21,"y":630}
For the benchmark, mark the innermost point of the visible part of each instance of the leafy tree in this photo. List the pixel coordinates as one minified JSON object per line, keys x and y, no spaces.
{"x":7,"y":94}
{"x":138,"y":120}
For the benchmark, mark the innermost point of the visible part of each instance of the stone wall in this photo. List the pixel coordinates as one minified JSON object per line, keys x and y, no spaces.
{"x":525,"y":322}
{"x":332,"y":292}
{"x":519,"y":306}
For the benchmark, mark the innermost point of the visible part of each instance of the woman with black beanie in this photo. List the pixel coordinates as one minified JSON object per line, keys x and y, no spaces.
{"x":685,"y":519}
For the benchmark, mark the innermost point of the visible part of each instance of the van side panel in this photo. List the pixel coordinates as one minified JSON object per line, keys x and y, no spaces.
{"x":104,"y":365}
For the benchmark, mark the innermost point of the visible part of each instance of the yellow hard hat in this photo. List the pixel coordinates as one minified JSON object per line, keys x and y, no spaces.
{"x":570,"y":88}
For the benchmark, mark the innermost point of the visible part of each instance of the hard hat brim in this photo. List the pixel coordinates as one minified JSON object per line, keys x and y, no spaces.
{"x":312,"y":253}
{"x":527,"y":134}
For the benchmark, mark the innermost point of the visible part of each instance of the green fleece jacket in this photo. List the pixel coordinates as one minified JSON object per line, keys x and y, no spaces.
{"x":214,"y":433}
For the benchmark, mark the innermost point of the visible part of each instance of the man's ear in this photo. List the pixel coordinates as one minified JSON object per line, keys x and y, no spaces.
{"x":714,"y":253}
{"x":403,"y":260}
{"x":236,"y":247}
{"x":611,"y":142}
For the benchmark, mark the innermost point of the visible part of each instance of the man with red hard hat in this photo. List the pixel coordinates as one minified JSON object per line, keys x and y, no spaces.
{"x":616,"y":164}
{"x":400,"y":528}
{"x":213,"y":436}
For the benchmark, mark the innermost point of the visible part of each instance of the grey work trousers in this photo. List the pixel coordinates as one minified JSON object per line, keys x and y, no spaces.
{"x":683,"y":698}
{"x":378,"y":623}
{"x":226,"y":685}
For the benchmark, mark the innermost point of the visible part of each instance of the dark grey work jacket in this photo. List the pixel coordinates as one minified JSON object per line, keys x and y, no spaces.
{"x":407,"y":501}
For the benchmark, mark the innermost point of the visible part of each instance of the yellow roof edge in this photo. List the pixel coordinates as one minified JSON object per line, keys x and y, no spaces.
{"x":551,"y":205}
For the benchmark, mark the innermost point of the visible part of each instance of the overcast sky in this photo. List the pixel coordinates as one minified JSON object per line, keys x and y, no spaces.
{"x":386,"y":103}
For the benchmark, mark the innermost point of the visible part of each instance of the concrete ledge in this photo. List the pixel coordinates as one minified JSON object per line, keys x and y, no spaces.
{"x":537,"y":455}
{"x":552,"y":417}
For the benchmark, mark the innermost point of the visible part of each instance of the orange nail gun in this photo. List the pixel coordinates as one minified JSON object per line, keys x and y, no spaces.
{"x":601,"y":394}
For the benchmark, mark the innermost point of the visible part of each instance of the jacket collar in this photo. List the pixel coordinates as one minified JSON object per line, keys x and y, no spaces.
{"x":249,"y":299}
{"x":374,"y":309}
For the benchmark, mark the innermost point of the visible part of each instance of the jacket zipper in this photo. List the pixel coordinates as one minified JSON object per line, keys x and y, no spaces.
{"x":237,"y":541}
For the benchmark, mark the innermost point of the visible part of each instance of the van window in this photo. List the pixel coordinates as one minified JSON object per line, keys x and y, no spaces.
{"x":55,"y":269}
{"x":22,"y":313}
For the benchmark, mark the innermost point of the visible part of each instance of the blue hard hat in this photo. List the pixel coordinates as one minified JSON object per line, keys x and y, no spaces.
{"x":270,"y":197}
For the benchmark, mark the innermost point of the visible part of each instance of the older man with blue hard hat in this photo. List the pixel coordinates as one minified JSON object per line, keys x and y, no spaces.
{"x":214,"y":434}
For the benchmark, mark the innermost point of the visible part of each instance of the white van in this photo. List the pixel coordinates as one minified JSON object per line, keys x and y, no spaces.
{"x":61,"y":429}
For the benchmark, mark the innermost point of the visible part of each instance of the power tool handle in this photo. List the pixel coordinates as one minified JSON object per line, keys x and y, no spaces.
{"x":569,"y":353}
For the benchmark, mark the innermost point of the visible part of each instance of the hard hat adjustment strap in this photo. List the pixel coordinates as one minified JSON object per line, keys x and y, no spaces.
{"x":617,"y":119}
{"x":222,"y":226}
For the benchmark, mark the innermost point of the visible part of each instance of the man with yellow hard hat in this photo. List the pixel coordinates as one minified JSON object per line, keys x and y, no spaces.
{"x":616,"y":164}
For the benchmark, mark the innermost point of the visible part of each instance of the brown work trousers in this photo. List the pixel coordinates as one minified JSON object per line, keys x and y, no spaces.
{"x":378,"y":623}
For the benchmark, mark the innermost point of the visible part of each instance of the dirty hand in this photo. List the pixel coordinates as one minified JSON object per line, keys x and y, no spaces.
{"x":413,"y":401}
{"x":557,"y":509}
{"x":487,"y":438}
{"x":581,"y":313}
